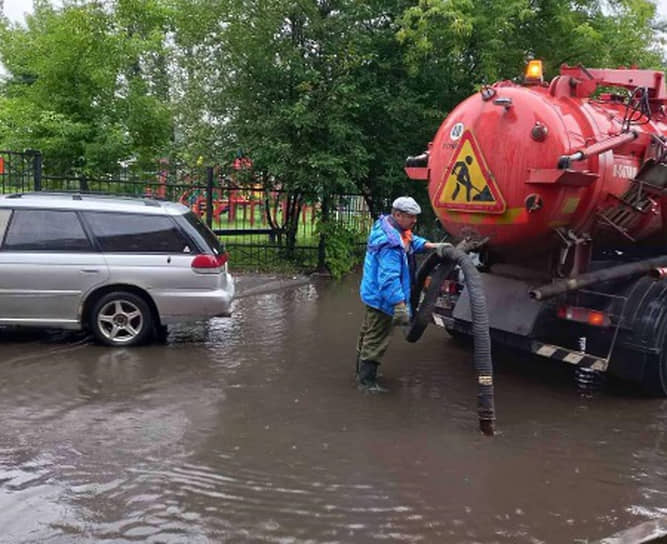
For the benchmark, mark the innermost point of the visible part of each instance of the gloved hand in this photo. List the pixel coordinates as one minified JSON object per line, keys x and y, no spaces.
{"x":401,"y":314}
{"x":440,"y":248}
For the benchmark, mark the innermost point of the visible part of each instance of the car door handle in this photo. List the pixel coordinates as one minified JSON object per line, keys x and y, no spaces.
{"x":89,"y":271}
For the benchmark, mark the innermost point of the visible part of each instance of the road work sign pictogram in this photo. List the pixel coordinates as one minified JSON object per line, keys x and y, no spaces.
{"x":468,"y":185}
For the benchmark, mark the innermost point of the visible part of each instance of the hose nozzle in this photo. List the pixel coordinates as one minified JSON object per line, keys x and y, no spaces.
{"x":487,"y":426}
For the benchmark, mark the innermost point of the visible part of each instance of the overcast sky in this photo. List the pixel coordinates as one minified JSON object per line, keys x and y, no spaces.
{"x":14,"y":9}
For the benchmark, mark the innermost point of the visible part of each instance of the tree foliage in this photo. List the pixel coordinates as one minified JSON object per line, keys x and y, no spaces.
{"x":319,"y":94}
{"x":80,"y":86}
{"x":324,"y":95}
{"x":471,"y":42}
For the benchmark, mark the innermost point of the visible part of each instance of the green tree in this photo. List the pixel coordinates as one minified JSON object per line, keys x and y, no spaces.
{"x":199,"y":72}
{"x":76,"y":90}
{"x":472,"y":42}
{"x":317,"y":92}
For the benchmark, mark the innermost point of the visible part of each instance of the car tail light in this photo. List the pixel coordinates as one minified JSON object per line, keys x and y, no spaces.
{"x":451,"y":287}
{"x":584,"y":315}
{"x":208,"y":264}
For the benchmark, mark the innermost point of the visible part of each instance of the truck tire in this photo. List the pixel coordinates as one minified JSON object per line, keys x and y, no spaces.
{"x":654,"y":381}
{"x":654,"y":377}
{"x":641,"y":351}
{"x":121,"y":318}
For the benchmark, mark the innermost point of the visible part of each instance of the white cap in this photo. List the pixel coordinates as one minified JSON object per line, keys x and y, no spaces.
{"x":406,"y":204}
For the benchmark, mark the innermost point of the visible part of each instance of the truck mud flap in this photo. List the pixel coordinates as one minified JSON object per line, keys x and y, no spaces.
{"x":569,"y":356}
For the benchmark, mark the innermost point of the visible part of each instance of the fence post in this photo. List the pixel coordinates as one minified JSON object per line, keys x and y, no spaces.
{"x":322,"y":246}
{"x":209,"y":196}
{"x":37,"y":170}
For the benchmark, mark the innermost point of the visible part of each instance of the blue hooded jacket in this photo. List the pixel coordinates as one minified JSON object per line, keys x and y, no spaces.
{"x":386,"y":280}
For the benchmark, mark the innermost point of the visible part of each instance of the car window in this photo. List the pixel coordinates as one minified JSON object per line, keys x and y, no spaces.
{"x":45,"y":230}
{"x":137,"y":233}
{"x":4,"y":219}
{"x":207,"y":234}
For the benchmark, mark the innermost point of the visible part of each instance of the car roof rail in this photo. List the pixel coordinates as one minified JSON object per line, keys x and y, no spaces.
{"x":74,"y":195}
{"x":78,"y":195}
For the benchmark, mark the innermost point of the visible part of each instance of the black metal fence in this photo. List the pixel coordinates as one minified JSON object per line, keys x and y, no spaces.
{"x":260,"y":226}
{"x":20,"y":171}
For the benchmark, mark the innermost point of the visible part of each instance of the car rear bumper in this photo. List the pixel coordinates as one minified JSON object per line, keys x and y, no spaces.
{"x":193,"y":305}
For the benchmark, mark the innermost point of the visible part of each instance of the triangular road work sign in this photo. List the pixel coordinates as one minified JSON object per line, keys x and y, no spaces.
{"x":468,"y":185}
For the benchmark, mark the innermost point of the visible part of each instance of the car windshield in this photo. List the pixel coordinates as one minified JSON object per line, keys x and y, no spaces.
{"x":207,"y":234}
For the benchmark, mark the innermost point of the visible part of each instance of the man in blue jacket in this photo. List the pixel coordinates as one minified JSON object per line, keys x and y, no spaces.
{"x":385,"y":285}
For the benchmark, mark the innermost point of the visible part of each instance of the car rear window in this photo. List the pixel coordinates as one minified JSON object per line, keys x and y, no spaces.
{"x":137,"y":233}
{"x":4,"y":219}
{"x":45,"y":230}
{"x":207,"y":234}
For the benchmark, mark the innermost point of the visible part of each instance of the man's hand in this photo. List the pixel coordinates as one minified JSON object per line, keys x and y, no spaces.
{"x":441,"y":247}
{"x":401,"y":314}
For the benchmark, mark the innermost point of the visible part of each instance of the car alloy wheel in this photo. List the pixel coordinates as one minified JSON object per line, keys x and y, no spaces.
{"x":121,"y":319}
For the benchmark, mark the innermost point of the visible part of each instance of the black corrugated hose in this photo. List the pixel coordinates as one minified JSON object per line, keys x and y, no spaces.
{"x":439,"y":268}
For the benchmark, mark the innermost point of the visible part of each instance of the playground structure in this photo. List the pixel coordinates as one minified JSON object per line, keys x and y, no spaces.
{"x":247,"y":206}
{"x":246,"y":210}
{"x":250,"y":206}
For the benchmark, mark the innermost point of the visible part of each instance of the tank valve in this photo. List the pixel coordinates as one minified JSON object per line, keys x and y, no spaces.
{"x":534,"y":203}
{"x":418,"y":161}
{"x":488,"y":93}
{"x":565,"y":161}
{"x":539,"y":132}
{"x":504,"y":102}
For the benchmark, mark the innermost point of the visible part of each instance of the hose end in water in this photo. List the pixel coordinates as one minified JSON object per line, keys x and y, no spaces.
{"x":487,"y":426}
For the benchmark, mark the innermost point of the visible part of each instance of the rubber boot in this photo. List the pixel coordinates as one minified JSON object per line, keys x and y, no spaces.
{"x":367,"y":377}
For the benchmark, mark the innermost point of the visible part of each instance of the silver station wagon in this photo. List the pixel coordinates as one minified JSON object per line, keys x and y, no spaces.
{"x":123,"y":268}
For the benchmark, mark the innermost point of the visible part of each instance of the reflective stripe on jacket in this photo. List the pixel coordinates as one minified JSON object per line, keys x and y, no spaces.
{"x":386,"y":280}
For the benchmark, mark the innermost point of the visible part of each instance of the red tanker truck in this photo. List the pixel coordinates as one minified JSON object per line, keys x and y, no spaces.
{"x":562,"y":187}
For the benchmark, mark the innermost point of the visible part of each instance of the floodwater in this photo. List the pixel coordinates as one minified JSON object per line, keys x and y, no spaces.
{"x":249,"y":429}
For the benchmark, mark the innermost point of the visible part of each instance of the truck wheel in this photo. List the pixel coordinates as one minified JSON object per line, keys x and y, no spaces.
{"x":641,"y":351}
{"x":120,"y":318}
{"x":654,"y":380}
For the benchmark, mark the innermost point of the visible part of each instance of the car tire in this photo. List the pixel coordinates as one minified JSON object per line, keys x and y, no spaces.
{"x":161,"y":333}
{"x":120,"y":318}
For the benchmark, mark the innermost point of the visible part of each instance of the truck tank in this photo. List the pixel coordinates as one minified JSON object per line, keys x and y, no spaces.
{"x":562,"y":189}
{"x":536,"y":167}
